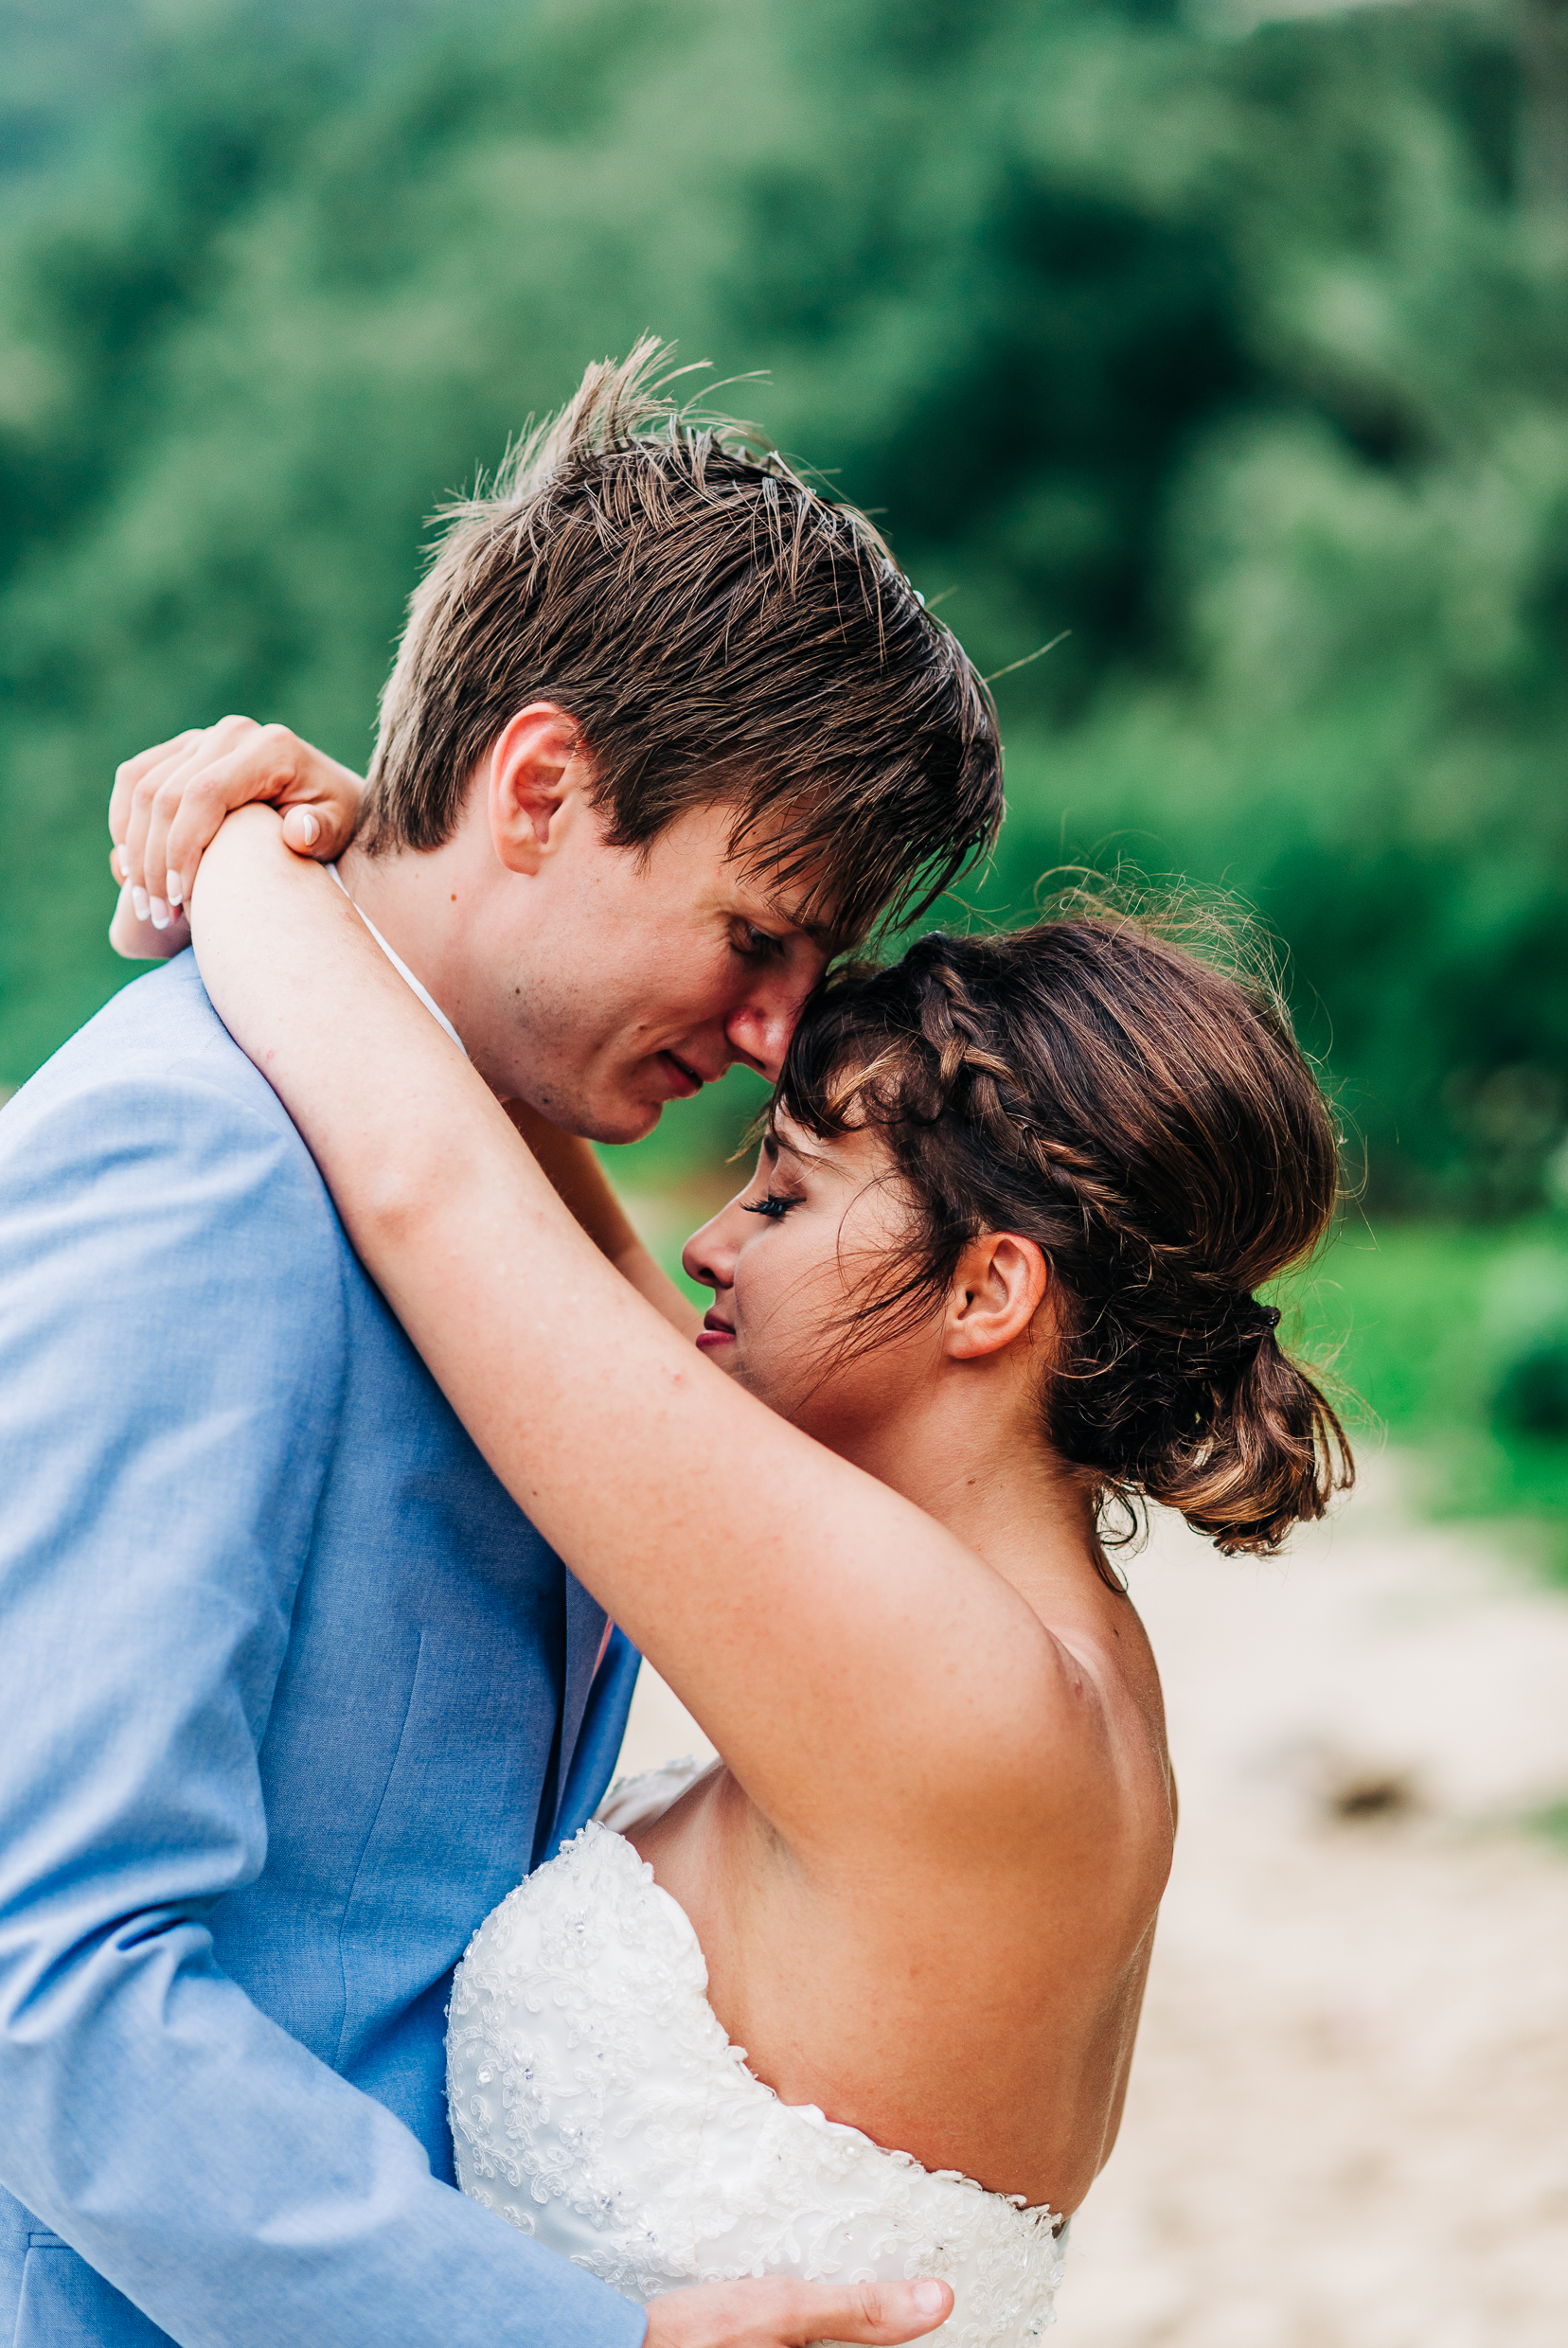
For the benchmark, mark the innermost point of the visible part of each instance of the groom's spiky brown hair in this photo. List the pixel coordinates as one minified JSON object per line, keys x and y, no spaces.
{"x":720,"y":631}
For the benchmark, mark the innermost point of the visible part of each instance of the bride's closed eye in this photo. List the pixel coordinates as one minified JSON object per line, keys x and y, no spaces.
{"x":773,"y":1207}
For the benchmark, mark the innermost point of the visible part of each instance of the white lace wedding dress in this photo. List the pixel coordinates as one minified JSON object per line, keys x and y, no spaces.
{"x":598,"y":2104}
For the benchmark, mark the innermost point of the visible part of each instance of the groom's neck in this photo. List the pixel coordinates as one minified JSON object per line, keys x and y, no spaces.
{"x":421,"y":901}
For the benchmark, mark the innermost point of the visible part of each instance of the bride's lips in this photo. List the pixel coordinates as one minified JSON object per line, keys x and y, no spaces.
{"x":714,"y":1334}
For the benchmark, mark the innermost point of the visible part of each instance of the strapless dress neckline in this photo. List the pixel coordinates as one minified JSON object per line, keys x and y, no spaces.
{"x":597,"y":2104}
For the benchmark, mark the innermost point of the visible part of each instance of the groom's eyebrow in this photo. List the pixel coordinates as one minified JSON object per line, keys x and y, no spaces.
{"x":830,"y":935}
{"x":821,"y":934}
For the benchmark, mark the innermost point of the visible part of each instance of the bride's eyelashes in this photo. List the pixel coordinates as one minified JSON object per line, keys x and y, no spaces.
{"x":773,"y":1206}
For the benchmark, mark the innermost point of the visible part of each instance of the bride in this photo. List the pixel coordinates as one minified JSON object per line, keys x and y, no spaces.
{"x":858,"y":2000}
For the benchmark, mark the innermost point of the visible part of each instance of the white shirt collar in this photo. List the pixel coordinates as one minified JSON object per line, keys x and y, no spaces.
{"x":401,"y":967}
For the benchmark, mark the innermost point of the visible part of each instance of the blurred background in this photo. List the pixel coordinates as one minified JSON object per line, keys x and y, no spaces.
{"x":1232,"y":341}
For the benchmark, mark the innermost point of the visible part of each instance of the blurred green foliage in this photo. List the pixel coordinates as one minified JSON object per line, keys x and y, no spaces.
{"x":1433,"y":1334}
{"x":1552,"y":1822}
{"x":1242,"y":354}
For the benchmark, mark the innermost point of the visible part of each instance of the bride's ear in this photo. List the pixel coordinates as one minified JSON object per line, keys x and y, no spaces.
{"x":999,"y":1286}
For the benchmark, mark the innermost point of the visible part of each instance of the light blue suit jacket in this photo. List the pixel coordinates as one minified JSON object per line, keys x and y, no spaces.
{"x":291,"y":1694}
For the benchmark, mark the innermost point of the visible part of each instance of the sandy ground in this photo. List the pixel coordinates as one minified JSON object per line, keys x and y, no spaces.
{"x":1349,"y":2119}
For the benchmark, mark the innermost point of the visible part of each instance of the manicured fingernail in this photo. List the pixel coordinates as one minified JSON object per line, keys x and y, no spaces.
{"x":138,"y":898}
{"x":160,"y":914}
{"x":928,"y":2298}
{"x":175,"y":887}
{"x":313,"y":829}
{"x":122,"y":865}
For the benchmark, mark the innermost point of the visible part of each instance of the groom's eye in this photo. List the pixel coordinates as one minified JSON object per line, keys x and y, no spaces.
{"x":757,"y":944}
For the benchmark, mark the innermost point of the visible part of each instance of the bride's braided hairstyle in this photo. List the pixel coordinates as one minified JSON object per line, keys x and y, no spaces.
{"x":1150,"y":1120}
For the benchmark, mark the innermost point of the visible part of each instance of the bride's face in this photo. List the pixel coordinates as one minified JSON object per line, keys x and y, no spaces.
{"x":789,"y":1260}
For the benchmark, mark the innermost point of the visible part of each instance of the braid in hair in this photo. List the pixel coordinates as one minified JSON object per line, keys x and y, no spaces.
{"x":1150,"y":1122}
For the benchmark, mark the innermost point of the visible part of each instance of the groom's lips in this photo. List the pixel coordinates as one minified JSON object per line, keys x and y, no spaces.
{"x":686,"y":1078}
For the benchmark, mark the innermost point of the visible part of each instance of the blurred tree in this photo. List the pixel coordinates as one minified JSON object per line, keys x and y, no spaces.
{"x":1543,"y":143}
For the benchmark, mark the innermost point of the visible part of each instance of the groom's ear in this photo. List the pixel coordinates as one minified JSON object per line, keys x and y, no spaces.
{"x":534,"y":780}
{"x":999,"y":1286}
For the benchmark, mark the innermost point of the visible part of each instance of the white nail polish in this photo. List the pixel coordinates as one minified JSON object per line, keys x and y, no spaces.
{"x":313,"y":829}
{"x":175,"y":888}
{"x":160,"y":914}
{"x":138,"y":899}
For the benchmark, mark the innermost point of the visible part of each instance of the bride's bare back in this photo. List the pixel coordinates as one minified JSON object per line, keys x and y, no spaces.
{"x":980,"y":2018}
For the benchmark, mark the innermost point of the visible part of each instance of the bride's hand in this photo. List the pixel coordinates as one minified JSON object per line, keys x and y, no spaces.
{"x":778,"y":2314}
{"x":169,"y":801}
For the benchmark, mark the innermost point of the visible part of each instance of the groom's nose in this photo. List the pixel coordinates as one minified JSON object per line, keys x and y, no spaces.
{"x":759,"y":1029}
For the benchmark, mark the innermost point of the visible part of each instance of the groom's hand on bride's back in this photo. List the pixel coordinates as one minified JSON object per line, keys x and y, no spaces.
{"x":780,"y":2314}
{"x":169,"y":802}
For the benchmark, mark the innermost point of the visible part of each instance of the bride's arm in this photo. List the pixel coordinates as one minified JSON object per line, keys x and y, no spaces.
{"x":825,"y":1631}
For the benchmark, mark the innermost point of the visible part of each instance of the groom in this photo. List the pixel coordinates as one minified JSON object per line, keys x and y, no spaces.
{"x":291,"y":1693}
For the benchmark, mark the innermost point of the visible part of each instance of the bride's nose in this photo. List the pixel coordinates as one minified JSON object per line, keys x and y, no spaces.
{"x":709,"y":1255}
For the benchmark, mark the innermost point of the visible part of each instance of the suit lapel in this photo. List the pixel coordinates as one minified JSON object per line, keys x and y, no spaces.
{"x":584,"y":1640}
{"x":599,"y":1736}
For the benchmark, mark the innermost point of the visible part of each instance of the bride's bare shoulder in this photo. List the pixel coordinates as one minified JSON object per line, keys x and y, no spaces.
{"x":1098,"y":1767}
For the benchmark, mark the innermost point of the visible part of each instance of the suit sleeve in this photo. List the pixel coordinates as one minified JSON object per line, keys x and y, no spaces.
{"x":172,"y":1335}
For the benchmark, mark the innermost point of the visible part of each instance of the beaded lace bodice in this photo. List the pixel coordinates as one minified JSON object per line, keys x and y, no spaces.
{"x":598,"y":2104}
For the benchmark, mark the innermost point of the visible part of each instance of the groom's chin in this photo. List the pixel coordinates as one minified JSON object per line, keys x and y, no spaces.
{"x":620,"y":1122}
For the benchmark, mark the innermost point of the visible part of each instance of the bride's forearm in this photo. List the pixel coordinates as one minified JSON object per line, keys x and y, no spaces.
{"x":815,"y":1621}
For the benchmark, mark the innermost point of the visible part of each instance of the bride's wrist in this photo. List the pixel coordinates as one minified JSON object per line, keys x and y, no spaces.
{"x":136,"y":940}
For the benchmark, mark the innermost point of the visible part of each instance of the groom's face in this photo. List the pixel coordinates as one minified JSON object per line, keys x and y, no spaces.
{"x":635,"y":976}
